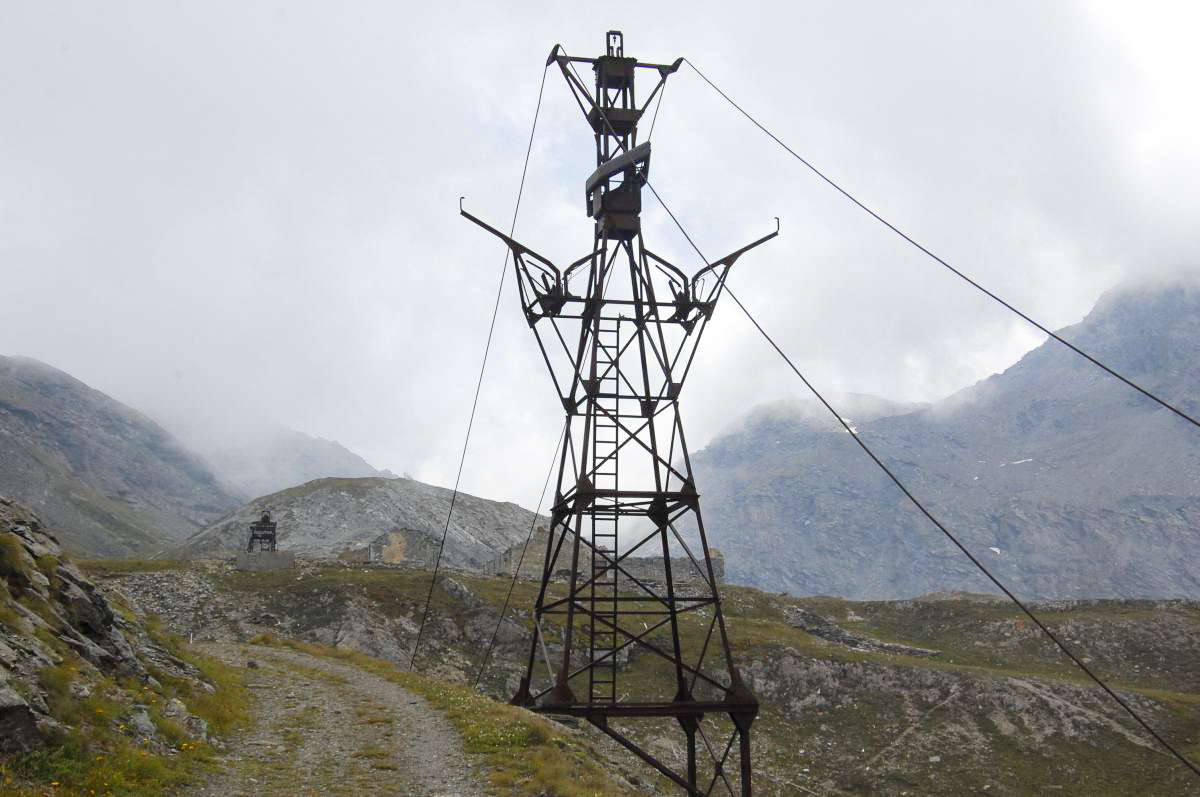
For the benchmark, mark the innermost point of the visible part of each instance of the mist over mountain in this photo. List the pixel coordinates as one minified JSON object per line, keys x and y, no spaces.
{"x":1062,"y":480}
{"x":117,"y":484}
{"x":265,"y":461}
{"x":111,"y":480}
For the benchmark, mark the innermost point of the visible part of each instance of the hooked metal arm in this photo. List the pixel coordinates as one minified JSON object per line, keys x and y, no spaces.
{"x":690,"y":305}
{"x":543,"y":291}
{"x":732,"y":257}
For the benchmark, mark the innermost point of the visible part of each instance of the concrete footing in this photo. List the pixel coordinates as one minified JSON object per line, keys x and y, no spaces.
{"x":265,"y":560}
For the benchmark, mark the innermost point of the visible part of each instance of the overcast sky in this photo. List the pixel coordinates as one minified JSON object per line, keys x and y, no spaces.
{"x":238,"y":214}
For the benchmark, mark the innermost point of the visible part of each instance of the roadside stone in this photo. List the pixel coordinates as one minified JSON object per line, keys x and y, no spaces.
{"x":18,"y":726}
{"x":175,"y":709}
{"x":195,"y":727}
{"x":141,"y":723}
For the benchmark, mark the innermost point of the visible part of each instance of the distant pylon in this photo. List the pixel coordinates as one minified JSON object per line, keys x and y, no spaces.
{"x":262,"y":533}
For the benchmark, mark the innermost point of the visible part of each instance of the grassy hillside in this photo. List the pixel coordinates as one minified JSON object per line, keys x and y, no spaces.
{"x":995,"y":711}
{"x":96,"y":704}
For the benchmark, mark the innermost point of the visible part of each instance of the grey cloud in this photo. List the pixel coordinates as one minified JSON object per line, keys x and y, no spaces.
{"x":241,"y":213}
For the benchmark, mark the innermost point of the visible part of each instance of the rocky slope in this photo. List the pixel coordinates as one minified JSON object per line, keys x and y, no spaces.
{"x":79,"y":677}
{"x":1064,"y":481}
{"x":949,"y":696}
{"x":328,"y":516}
{"x":97,"y":698}
{"x":108,"y":478}
{"x":264,"y":462}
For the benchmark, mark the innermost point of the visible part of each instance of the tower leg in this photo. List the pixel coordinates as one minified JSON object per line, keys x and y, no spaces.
{"x":691,"y":759}
{"x":745,"y":754}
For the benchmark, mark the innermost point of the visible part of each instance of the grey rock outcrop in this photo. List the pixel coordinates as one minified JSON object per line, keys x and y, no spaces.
{"x":1065,"y":482}
{"x":18,"y":723}
{"x":58,"y":613}
{"x":62,"y":642}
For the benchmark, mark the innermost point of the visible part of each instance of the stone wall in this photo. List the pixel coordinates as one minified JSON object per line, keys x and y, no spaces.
{"x":531,"y":566}
{"x":402,"y":546}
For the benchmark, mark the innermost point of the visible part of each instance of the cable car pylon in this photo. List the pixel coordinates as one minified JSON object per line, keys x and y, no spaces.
{"x":618,"y":329}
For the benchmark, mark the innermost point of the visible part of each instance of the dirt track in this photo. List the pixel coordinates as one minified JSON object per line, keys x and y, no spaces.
{"x":321,"y":729}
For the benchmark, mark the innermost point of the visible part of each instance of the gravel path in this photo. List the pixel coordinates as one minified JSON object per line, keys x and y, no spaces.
{"x":322,"y":729}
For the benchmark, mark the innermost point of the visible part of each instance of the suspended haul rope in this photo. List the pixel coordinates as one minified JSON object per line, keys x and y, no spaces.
{"x":520,"y":561}
{"x":896,"y":480}
{"x":921,"y":507}
{"x":1041,"y":327}
{"x":479,"y":384}
{"x":913,"y":499}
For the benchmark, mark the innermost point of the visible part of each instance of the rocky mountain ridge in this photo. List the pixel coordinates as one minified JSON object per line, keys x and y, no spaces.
{"x":327,"y":517}
{"x":1064,"y":481}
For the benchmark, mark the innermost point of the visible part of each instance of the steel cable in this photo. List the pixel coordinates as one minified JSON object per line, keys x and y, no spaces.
{"x":899,"y":484}
{"x":479,"y":384}
{"x":938,"y":524}
{"x":520,"y":561}
{"x":1041,"y":327}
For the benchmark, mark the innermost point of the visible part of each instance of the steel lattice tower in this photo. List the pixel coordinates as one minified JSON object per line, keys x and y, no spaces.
{"x":618,"y":329}
{"x":262,"y":532}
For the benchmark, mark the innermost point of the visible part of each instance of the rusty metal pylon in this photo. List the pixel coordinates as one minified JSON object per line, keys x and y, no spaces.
{"x":618,"y":329}
{"x":262,"y":532}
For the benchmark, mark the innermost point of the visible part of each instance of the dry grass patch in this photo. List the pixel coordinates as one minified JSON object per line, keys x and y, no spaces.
{"x":117,"y":567}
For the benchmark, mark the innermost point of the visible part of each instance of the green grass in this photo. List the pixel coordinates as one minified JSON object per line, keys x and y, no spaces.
{"x":48,"y":565}
{"x":94,"y":755}
{"x":10,"y":618}
{"x":223,"y":709}
{"x":116,"y":567}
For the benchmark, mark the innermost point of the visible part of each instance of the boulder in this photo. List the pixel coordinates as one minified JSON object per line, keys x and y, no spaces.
{"x":141,"y":724}
{"x":18,"y":725}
